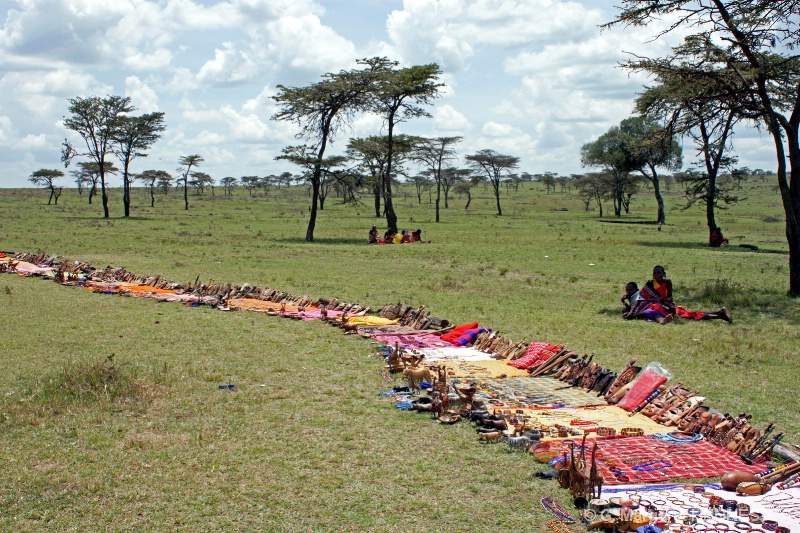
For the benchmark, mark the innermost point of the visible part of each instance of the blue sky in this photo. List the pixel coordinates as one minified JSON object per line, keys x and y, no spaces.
{"x":534,"y":78}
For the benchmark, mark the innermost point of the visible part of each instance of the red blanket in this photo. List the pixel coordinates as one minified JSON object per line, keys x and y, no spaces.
{"x":642,"y":459}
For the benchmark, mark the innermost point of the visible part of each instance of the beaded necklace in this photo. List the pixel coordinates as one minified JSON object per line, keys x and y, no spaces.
{"x":559,"y":527}
{"x":654,"y":465}
{"x":557,"y":510}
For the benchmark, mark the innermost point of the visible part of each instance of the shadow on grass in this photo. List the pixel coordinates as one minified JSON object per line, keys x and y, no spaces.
{"x":629,"y":221}
{"x":696,"y":245}
{"x":325,"y":241}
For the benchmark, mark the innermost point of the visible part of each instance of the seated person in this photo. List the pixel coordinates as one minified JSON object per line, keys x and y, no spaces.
{"x":407,"y":237}
{"x":373,"y":236}
{"x":717,"y":240}
{"x":630,"y":299}
{"x":417,"y":235}
{"x":388,"y":237}
{"x":397,"y":238}
{"x":655,"y":303}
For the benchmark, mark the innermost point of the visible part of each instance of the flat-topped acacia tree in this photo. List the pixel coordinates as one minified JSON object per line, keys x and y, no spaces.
{"x":760,"y":39}
{"x":46,"y":177}
{"x":397,"y":95}
{"x":97,"y":120}
{"x":492,"y":167}
{"x":320,"y":110}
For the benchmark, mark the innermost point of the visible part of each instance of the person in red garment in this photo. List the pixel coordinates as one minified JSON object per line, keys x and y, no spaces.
{"x":655,"y":303}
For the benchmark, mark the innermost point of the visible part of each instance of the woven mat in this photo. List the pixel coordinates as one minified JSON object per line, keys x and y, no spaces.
{"x":541,"y":391}
{"x":483,"y":369}
{"x":651,"y":460}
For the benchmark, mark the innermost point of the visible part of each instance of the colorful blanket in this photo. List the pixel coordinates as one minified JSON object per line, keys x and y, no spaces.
{"x":645,"y":459}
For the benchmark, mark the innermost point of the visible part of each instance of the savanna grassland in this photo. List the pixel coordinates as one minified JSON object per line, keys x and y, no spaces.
{"x":305,"y":442}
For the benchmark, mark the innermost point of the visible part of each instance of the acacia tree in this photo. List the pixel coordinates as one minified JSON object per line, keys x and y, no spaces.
{"x":396,"y":95}
{"x":151,"y":178}
{"x":611,"y":153}
{"x":592,"y":186}
{"x":758,"y":37}
{"x":651,"y":147}
{"x":687,"y":99}
{"x":187,"y":162}
{"x":47,"y":178}
{"x":434,"y":154}
{"x":307,"y":158}
{"x":133,"y":137}
{"x":321,"y":110}
{"x":493,"y":167}
{"x":97,"y":121}
{"x":88,"y":172}
{"x":250,"y":183}
{"x":371,"y":154}
{"x":450,"y":177}
{"x":228,"y":184}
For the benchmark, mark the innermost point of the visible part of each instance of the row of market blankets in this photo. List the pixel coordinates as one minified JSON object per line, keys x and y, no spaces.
{"x":564,"y":413}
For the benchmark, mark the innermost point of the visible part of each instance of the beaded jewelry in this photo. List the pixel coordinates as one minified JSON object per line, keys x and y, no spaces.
{"x":559,"y":527}
{"x":557,"y":510}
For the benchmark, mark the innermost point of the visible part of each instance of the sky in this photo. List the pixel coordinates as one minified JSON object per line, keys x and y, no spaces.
{"x":536,"y":79}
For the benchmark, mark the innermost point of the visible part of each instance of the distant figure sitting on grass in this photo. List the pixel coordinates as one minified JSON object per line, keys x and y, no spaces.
{"x":417,"y":235}
{"x":373,"y":236}
{"x":717,"y":240}
{"x":655,"y":303}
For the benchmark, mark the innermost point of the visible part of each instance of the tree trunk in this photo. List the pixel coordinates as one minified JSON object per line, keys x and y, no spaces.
{"x":469,"y":200}
{"x":661,"y":218}
{"x":152,"y":197}
{"x":388,"y":204}
{"x":376,"y":189}
{"x":186,"y":192}
{"x":438,"y":197}
{"x":52,"y":193}
{"x":496,"y":187}
{"x":126,"y":190}
{"x":710,"y":219}
{"x":312,"y":217}
{"x":103,"y":193}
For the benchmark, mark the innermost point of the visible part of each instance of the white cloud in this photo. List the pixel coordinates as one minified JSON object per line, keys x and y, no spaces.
{"x":447,"y":118}
{"x":448,"y":31}
{"x":30,"y":142}
{"x":6,"y":129}
{"x":142,"y":96}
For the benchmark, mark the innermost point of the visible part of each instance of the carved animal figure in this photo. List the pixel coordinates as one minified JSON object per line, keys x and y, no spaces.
{"x":490,"y":437}
{"x":517,"y":443}
{"x":415,"y":376}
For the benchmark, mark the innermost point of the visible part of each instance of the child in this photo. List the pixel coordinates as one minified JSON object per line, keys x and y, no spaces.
{"x":629,"y":301}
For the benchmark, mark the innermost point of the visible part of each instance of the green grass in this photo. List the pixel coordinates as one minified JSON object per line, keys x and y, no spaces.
{"x":305,"y":443}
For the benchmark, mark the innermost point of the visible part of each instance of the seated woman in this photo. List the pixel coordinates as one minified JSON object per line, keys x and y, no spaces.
{"x":417,"y":235}
{"x":407,"y":237}
{"x":373,"y":236}
{"x":717,"y":240}
{"x":388,"y":237}
{"x":655,"y":303}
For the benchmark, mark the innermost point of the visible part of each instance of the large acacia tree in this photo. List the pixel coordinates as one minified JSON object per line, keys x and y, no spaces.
{"x":493,"y":167}
{"x":134,"y":136}
{"x":97,"y":120}
{"x":321,"y":110}
{"x":759,"y":38}
{"x":397,"y":95}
